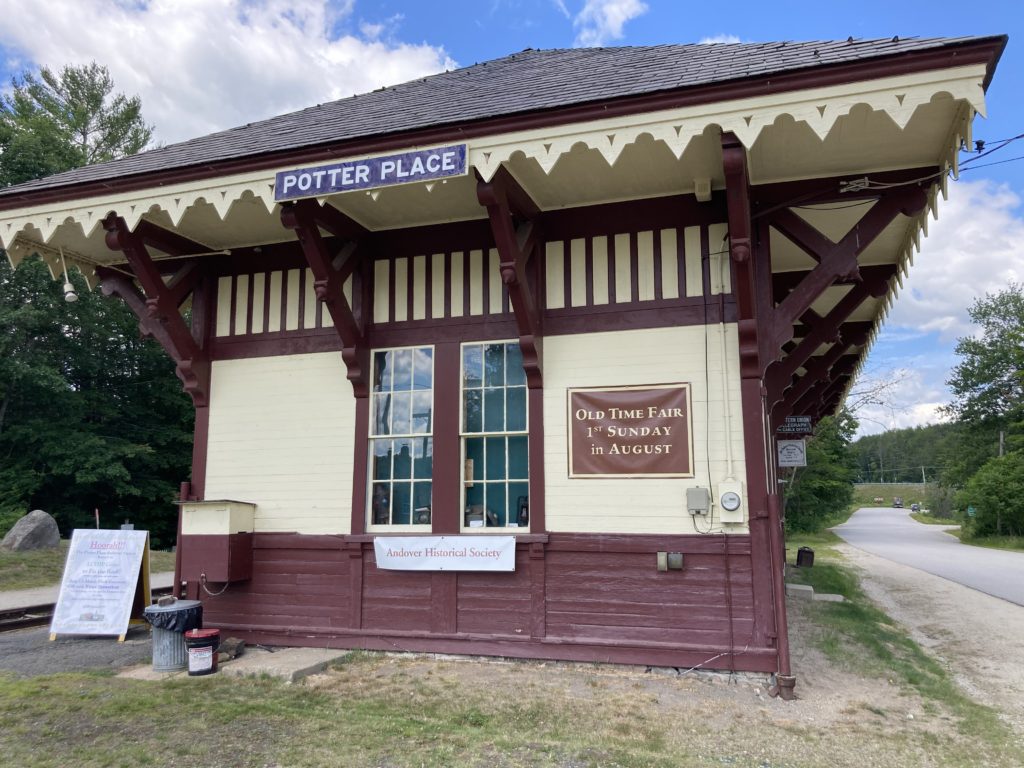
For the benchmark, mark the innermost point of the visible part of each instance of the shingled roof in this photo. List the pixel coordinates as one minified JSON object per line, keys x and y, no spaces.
{"x":531,"y":81}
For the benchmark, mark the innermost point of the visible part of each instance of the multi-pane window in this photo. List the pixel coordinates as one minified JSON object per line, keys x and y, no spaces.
{"x":494,"y":437}
{"x":401,"y":436}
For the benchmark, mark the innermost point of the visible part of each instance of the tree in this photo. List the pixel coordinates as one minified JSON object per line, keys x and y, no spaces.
{"x":91,"y":416}
{"x":988,"y":382}
{"x":94,"y":416}
{"x":54,"y":122}
{"x":996,"y":491}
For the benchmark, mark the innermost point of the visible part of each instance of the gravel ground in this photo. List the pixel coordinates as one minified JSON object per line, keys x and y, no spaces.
{"x":30,"y":652}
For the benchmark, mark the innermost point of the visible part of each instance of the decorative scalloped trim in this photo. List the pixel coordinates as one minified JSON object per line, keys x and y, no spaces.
{"x":820,"y":108}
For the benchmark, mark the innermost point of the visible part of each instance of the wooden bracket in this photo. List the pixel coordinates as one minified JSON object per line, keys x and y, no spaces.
{"x":330,"y":271}
{"x":157,"y":304}
{"x":505,"y":202}
{"x":741,"y":250}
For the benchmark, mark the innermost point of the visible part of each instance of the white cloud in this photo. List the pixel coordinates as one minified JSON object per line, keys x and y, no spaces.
{"x":898,"y":398}
{"x":560,"y":5}
{"x":601,"y":21}
{"x":205,"y":65}
{"x":974,"y":248}
{"x":718,"y":39}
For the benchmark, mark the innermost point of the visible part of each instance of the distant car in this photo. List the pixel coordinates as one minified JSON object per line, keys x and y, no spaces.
{"x":897,"y":502}
{"x":915,"y":507}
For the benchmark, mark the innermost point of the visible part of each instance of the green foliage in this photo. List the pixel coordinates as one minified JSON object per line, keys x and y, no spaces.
{"x":57,"y":121}
{"x":823,"y":490}
{"x":996,"y":492}
{"x":988,"y":382}
{"x":903,"y":455}
{"x":91,"y":416}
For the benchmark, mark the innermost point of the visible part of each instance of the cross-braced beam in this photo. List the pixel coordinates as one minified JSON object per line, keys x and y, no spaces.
{"x":513,"y":216}
{"x":330,"y":271}
{"x":157,"y":304}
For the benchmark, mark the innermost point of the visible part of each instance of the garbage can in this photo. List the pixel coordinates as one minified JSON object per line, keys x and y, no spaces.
{"x":804,"y":557}
{"x":170,"y":622}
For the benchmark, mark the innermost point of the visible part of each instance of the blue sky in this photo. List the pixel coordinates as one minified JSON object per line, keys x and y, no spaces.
{"x":204,"y":65}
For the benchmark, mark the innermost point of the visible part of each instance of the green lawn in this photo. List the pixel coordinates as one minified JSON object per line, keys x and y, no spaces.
{"x":44,"y":567}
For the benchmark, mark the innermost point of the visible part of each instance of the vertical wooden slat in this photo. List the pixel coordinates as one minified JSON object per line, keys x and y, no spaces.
{"x":275,"y":306}
{"x":554,"y":263}
{"x":381,"y":291}
{"x":622,"y":271}
{"x":577,"y":282}
{"x":241,"y":311}
{"x":645,"y":281}
{"x":476,"y":282}
{"x":455,"y":285}
{"x":224,"y":306}
{"x":248,"y":303}
{"x":438,"y":285}
{"x":400,"y":290}
{"x":600,"y":270}
{"x":259,"y":302}
{"x":669,"y":264}
{"x":694,"y":269}
{"x":496,"y":304}
{"x":309,"y":304}
{"x":294,"y":298}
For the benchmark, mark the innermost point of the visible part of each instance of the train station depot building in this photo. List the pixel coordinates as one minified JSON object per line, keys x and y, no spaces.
{"x":493,"y":362}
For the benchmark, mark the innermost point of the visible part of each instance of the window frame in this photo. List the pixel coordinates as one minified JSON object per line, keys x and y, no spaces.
{"x":484,"y":434}
{"x":372,"y":437}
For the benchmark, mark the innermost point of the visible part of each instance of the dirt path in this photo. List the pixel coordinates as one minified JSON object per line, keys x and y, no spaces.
{"x":978,"y":637}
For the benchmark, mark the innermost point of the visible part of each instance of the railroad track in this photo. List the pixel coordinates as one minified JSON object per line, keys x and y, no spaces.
{"x":40,"y":615}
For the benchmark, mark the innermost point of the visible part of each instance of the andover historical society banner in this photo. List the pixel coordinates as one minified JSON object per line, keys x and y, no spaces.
{"x":639,"y":431}
{"x":445,"y":553}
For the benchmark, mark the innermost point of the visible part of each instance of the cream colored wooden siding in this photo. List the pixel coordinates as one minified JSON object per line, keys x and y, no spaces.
{"x":620,"y":358}
{"x":281,"y":437}
{"x":261,"y":300}
{"x":614,"y":276}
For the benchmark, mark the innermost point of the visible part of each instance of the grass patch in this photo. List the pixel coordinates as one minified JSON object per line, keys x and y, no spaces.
{"x":858,"y":635}
{"x":921,"y":517}
{"x":864,"y":494}
{"x":1011,"y":543}
{"x":44,"y":567}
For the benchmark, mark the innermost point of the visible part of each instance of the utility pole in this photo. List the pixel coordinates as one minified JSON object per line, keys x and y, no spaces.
{"x":1002,"y":442}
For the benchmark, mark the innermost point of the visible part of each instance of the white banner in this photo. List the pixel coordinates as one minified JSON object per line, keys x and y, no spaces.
{"x":445,"y":553}
{"x":101,"y":576}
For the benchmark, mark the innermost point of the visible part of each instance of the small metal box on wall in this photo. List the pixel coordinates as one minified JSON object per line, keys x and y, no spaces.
{"x":216,"y":540}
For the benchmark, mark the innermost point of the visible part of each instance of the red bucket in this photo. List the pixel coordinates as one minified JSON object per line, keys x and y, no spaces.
{"x":201,"y":646}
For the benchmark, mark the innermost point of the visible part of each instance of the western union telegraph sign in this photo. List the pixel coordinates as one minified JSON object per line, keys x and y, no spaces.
{"x":372,"y":173}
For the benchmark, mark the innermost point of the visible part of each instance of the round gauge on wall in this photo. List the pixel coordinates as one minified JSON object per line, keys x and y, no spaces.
{"x":731,"y":501}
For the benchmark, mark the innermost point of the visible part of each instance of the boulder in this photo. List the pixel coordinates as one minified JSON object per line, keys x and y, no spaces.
{"x":36,"y":530}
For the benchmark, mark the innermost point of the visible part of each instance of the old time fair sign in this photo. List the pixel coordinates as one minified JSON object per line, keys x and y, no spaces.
{"x":641,"y":431}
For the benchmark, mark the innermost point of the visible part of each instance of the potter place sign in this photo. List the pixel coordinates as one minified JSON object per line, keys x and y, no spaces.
{"x":372,"y":173}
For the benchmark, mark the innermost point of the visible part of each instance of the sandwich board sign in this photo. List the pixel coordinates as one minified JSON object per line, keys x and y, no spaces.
{"x":105,"y":586}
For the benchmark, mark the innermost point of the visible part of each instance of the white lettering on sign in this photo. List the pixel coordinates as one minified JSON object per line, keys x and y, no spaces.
{"x":402,"y":168}
{"x":445,"y":553}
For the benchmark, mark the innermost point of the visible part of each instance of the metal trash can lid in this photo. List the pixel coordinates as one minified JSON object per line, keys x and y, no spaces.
{"x":180,"y":605}
{"x":176,"y":617}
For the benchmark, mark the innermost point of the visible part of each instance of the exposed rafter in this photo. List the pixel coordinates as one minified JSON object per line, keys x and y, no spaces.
{"x":836,"y":261}
{"x":513,"y":216}
{"x":330,"y":271}
{"x":157,"y":304}
{"x":823,"y":330}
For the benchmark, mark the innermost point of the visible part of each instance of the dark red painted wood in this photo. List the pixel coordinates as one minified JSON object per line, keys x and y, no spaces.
{"x":591,"y":597}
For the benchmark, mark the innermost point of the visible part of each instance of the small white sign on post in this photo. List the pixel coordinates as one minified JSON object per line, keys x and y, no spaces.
{"x":103,"y":575}
{"x":445,"y":553}
{"x":792,"y":453}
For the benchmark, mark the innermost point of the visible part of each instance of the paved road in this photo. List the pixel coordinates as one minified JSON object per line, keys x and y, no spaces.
{"x":22,"y":598}
{"x":894,"y":535}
